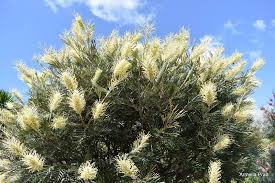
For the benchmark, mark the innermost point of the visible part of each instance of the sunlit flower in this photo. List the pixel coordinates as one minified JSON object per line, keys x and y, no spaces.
{"x":28,"y":118}
{"x":214,"y":172}
{"x":233,"y":59}
{"x":241,"y":90}
{"x":59,"y":122}
{"x":121,"y":68}
{"x":3,"y":178}
{"x":110,"y":45}
{"x":55,"y":101}
{"x":136,"y":37}
{"x":200,"y":49}
{"x":96,"y":76}
{"x":150,"y":69}
{"x":26,"y":74}
{"x":208,"y":93}
{"x":50,"y":57}
{"x":228,"y":110}
{"x":69,"y":81}
{"x":16,"y":94}
{"x":126,"y":49}
{"x":154,"y":48}
{"x":242,"y":115}
{"x":78,"y":27}
{"x":5,"y":164}
{"x":252,"y":82}
{"x":87,"y":171}
{"x":224,"y":141}
{"x":140,"y":143}
{"x":175,"y":45}
{"x":33,"y":161}
{"x":10,"y":105}
{"x":126,"y":166}
{"x":77,"y":101}
{"x":99,"y":109}
{"x":7,"y":117}
{"x":235,"y":70}
{"x":257,"y":65}
{"x":14,"y":146}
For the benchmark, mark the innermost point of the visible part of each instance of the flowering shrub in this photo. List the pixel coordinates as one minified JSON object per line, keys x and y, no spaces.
{"x":131,"y":108}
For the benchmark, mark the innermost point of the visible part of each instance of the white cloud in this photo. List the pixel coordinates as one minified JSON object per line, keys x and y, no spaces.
{"x":55,"y":4}
{"x":232,"y":27}
{"x":123,"y":11}
{"x":273,"y":22}
{"x":260,"y":25}
{"x":254,"y":54}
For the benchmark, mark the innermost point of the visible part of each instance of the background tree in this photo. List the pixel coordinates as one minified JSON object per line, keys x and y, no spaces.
{"x":132,"y":108}
{"x":4,"y":98}
{"x":269,"y":112}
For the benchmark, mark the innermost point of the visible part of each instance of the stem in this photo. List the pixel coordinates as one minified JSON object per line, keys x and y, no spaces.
{"x":82,"y":120}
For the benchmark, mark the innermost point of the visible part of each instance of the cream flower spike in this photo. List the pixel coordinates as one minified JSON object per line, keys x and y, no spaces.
{"x":14,"y":146}
{"x":26,"y":74}
{"x":96,"y":76}
{"x":55,"y":101}
{"x":126,"y":50}
{"x":150,"y":69}
{"x":200,"y":49}
{"x":16,"y":94}
{"x":257,"y":65}
{"x":242,"y":115}
{"x":33,"y":161}
{"x":69,"y":80}
{"x":208,"y":93}
{"x":228,"y":110}
{"x":77,"y":101}
{"x":10,"y":105}
{"x":224,"y":141}
{"x":59,"y":122}
{"x":87,"y":171}
{"x":28,"y":118}
{"x":214,"y":172}
{"x":140,"y":143}
{"x":7,"y":117}
{"x":121,"y":69}
{"x":233,"y":59}
{"x":99,"y":109}
{"x":235,"y":70}
{"x":3,"y":178}
{"x":126,"y":166}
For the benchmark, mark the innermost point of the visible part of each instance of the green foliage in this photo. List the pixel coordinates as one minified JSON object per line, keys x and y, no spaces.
{"x":140,"y":108}
{"x":269,"y":112}
{"x":4,"y":98}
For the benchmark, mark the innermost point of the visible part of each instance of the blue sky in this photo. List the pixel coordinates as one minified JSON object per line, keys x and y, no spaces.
{"x":26,"y":27}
